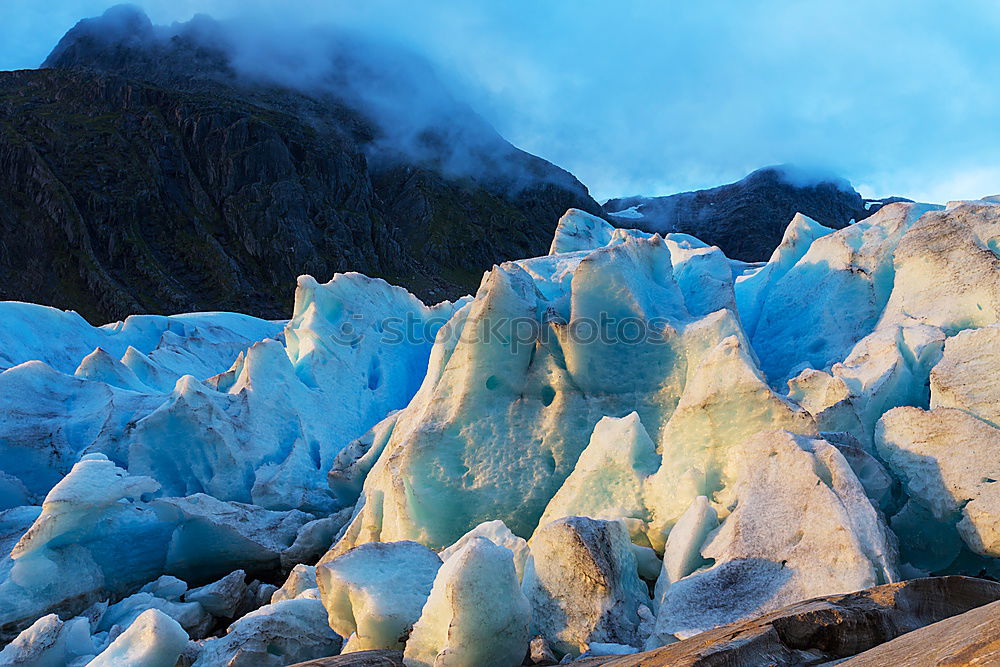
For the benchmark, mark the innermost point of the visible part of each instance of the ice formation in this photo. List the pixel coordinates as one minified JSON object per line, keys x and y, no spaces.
{"x":627,"y":441}
{"x":475,"y":615}
{"x":375,"y":592}
{"x":583,"y":584}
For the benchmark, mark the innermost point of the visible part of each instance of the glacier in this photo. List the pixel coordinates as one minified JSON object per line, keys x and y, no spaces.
{"x":623,"y":443}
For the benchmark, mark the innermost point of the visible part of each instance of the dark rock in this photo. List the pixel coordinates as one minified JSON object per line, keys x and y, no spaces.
{"x":835,"y":627}
{"x":747,"y":219}
{"x":359,"y":659}
{"x":140,"y":173}
{"x":972,"y":638}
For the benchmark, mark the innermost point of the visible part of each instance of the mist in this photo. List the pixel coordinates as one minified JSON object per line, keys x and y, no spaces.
{"x":654,"y":98}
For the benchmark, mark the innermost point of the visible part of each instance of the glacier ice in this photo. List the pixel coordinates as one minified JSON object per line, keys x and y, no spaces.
{"x":475,"y":615}
{"x":949,"y":463}
{"x":497,"y":533}
{"x":583,"y":584}
{"x":632,"y":407}
{"x":373,"y":594}
{"x":795,"y":504}
{"x":152,"y":640}
{"x":278,"y":634}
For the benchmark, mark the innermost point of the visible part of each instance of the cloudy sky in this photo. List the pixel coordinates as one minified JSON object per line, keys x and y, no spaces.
{"x":636,"y":97}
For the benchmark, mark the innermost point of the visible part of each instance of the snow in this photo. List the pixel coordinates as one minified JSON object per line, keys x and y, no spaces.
{"x":631,"y":212}
{"x":475,"y":614}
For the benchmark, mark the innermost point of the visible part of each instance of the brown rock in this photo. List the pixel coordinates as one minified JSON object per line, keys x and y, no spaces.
{"x":972,"y":638}
{"x":840,"y":626}
{"x":359,"y":659}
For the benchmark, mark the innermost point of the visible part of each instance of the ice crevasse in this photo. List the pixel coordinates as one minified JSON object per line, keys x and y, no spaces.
{"x":705,"y":439}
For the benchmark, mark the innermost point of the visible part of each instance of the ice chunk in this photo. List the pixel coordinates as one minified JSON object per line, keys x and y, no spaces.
{"x":751,"y":290}
{"x":947,"y":272}
{"x":682,"y":553}
{"x":301,"y":579}
{"x":375,"y":592}
{"x":213,"y":538}
{"x":949,"y":462}
{"x":801,"y":527}
{"x":166,"y":587}
{"x":275,"y":635}
{"x":960,"y":379}
{"x":97,"y":508}
{"x":608,"y":479}
{"x":192,"y":616}
{"x":50,"y":642}
{"x":497,"y":533}
{"x":314,"y":539}
{"x":476,"y":613}
{"x":223,"y":597}
{"x":725,"y":402}
{"x":499,"y":411}
{"x":833,"y":296}
{"x":152,"y":640}
{"x":578,"y":230}
{"x":583,"y":584}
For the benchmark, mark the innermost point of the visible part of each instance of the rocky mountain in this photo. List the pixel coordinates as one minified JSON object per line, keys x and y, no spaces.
{"x":746,"y":219}
{"x":142,"y":170}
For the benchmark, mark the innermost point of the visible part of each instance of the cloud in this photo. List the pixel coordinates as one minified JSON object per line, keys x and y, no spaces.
{"x":652,"y":97}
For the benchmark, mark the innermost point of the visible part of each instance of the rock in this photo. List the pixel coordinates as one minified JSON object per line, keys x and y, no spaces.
{"x":745,"y":219}
{"x":540,"y":653}
{"x":217,"y":190}
{"x":972,"y":638}
{"x":583,"y":584}
{"x":382,"y":658}
{"x":374,"y":593}
{"x":475,"y":614}
{"x":833,"y":627}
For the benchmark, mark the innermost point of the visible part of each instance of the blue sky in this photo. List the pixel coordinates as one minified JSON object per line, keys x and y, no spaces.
{"x":657,"y":97}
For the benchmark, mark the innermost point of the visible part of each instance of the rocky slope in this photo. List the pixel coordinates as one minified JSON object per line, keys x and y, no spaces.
{"x":746,"y":219}
{"x":140,"y":171}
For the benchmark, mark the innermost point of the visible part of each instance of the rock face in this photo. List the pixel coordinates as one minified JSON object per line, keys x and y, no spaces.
{"x":747,"y":218}
{"x":140,"y":172}
{"x":840,"y":626}
{"x":972,"y":638}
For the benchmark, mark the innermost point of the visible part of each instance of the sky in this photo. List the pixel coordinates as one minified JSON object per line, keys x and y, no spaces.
{"x":641,"y":97}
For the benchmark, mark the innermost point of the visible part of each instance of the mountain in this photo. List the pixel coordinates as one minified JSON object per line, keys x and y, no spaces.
{"x":147,"y":169}
{"x":747,"y":219}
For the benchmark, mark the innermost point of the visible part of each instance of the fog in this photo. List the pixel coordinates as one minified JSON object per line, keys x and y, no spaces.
{"x":654,"y":98}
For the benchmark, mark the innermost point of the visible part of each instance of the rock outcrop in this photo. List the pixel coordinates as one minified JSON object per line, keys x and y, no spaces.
{"x":140,"y":172}
{"x":747,"y":218}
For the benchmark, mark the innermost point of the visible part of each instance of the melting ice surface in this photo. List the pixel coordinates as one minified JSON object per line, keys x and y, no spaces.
{"x":628,"y":441}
